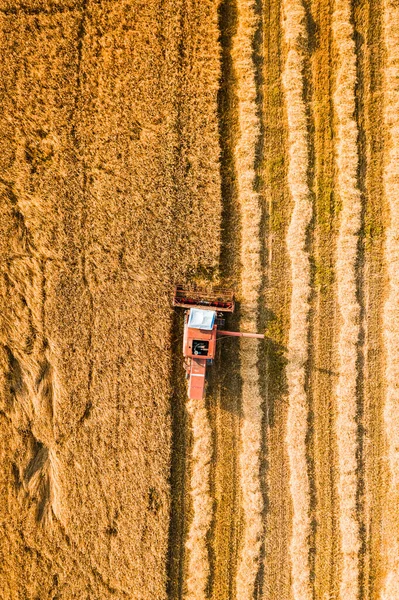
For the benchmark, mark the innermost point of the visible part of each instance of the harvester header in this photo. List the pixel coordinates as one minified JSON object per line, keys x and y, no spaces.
{"x":204,"y":316}
{"x":214,"y":298}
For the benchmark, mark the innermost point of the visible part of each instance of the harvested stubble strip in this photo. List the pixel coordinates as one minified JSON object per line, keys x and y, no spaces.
{"x":347,"y":248}
{"x":198,"y":562}
{"x":391,"y":312}
{"x":295,"y":37}
{"x":251,"y":429}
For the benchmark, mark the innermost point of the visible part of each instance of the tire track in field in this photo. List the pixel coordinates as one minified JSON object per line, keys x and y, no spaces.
{"x":298,"y":351}
{"x":349,"y":308}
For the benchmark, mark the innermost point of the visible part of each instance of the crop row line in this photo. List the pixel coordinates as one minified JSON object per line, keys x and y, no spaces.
{"x":250,"y":212}
{"x":295,"y":37}
{"x":391,"y":309}
{"x":349,"y":309}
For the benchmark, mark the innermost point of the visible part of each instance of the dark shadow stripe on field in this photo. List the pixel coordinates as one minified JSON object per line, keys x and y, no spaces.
{"x":178,"y":473}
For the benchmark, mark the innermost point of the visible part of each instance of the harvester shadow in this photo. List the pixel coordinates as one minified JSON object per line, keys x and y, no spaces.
{"x":180,"y":445}
{"x":224,"y":394}
{"x":225,"y":374}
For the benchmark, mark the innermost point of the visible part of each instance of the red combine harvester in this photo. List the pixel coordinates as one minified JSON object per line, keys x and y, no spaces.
{"x":204,"y":315}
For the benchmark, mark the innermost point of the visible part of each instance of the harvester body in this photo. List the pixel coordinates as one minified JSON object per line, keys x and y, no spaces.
{"x":199,"y":347}
{"x":203,"y":316}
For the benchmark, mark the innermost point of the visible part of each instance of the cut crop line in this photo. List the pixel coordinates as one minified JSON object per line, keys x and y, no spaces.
{"x":251,"y":428}
{"x":198,"y":561}
{"x":347,"y":249}
{"x":293,"y":83}
{"x":391,"y":310}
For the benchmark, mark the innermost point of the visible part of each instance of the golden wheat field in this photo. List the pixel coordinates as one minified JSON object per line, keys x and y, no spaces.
{"x":247,"y":143}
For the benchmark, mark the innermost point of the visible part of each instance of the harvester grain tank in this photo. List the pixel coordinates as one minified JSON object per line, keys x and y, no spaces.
{"x":203,"y":320}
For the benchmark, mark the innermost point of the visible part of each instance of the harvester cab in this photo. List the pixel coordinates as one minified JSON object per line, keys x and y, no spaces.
{"x":204,"y":316}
